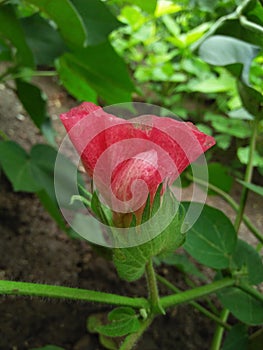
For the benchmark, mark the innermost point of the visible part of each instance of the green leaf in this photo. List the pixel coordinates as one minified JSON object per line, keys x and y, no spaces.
{"x":123,"y":321}
{"x":11,"y":30}
{"x":130,"y":262}
{"x":221,"y":50}
{"x":95,"y":321}
{"x":252,"y":100}
{"x":74,"y":80}
{"x":68,"y":20}
{"x":247,"y":261}
{"x":223,"y":141}
{"x":166,"y":7}
{"x":224,"y":83}
{"x":240,"y":113}
{"x":44,"y":159}
{"x":235,"y":29}
{"x":33,"y":100}
{"x":212,"y":238}
{"x":243,"y":156}
{"x":35,"y":103}
{"x":147,"y":6}
{"x":233,"y":127}
{"x":243,"y":306}
{"x":16,"y":164}
{"x":98,"y":20}
{"x":109,"y":343}
{"x":91,"y":67}
{"x":219,"y":177}
{"x":44,"y":41}
{"x":252,"y":187}
{"x":52,"y":208}
{"x":237,"y":338}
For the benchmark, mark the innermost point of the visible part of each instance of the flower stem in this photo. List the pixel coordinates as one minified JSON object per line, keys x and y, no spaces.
{"x":198,"y":292}
{"x":45,"y":290}
{"x":197,"y":306}
{"x":154,"y":299}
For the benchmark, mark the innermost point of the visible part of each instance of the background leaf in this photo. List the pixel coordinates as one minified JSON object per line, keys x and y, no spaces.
{"x":242,"y":305}
{"x":44,"y":41}
{"x":92,"y":64}
{"x":68,"y":20}
{"x":219,"y":176}
{"x":245,"y":259}
{"x":237,"y":338}
{"x":225,"y":51}
{"x":183,"y":263}
{"x":98,"y":20}
{"x":35,"y":103}
{"x":11,"y":28}
{"x":16,"y":164}
{"x":251,"y":99}
{"x":75,"y":80}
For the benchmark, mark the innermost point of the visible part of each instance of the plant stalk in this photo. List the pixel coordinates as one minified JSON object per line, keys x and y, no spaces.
{"x":153,"y":298}
{"x":45,"y":290}
{"x":251,"y":291}
{"x":217,"y":340}
{"x":218,"y":336}
{"x":197,"y":306}
{"x":198,"y":292}
{"x":247,"y":178}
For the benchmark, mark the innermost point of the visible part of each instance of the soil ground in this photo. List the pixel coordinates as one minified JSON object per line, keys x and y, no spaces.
{"x":33,"y":249}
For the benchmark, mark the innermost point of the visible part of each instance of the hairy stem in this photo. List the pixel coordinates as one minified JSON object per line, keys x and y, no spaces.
{"x":153,"y":289}
{"x":197,"y":306}
{"x":198,"y":292}
{"x":45,"y":290}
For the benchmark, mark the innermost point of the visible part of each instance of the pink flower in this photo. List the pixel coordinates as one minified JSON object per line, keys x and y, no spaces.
{"x":128,"y":159}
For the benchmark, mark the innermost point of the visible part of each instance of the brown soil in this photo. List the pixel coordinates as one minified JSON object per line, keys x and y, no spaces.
{"x":33,"y":249}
